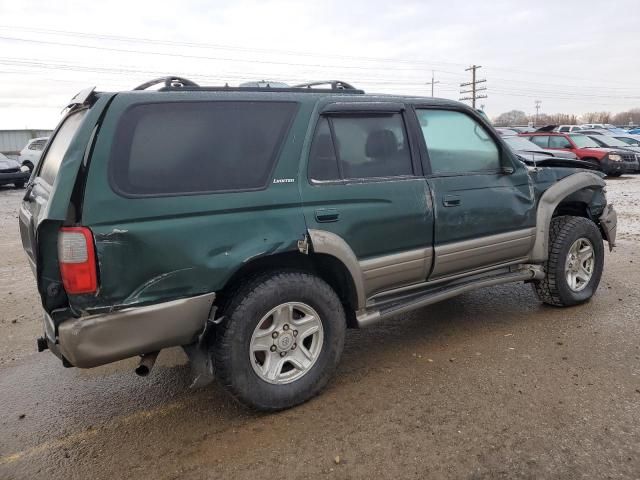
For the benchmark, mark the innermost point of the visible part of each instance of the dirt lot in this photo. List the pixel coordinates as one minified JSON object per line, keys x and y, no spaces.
{"x":488,"y":385}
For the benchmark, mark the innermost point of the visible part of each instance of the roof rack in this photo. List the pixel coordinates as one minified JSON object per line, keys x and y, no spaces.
{"x":169,"y":82}
{"x":172,"y":83}
{"x":335,"y":85}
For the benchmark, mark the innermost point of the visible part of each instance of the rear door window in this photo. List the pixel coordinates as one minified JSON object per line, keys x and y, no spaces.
{"x":541,"y":140}
{"x":59,"y":146}
{"x":197,"y":147}
{"x":558,"y":141}
{"x":360,"y":147}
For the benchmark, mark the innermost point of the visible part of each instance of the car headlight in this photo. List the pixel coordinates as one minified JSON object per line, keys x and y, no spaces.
{"x":24,"y":169}
{"x":614,"y":157}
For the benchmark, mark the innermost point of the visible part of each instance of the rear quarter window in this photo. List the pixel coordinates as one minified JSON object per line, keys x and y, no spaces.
{"x":59,"y":146}
{"x":197,"y":147}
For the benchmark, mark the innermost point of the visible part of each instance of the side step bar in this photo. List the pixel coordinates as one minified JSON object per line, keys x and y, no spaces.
{"x":437,"y":294}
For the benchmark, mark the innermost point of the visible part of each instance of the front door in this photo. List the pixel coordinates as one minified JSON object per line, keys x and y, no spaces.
{"x":364,"y":186}
{"x":484,"y":206}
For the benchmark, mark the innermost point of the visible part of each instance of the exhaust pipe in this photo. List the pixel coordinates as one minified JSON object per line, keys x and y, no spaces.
{"x":147,"y":361}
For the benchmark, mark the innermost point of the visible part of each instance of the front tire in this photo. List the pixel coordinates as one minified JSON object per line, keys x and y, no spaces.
{"x":280,"y":340}
{"x":575,"y":263}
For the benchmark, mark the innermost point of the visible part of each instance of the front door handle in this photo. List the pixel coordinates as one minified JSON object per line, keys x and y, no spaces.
{"x":324,"y":215}
{"x":451,"y":200}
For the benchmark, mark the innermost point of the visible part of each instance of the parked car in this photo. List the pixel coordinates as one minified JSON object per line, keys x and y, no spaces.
{"x":523,"y":146}
{"x":591,"y":126}
{"x":613,"y":162}
{"x":30,"y":154}
{"x":629,"y":139}
{"x":634,"y":131}
{"x":611,"y":142}
{"x":506,"y":131}
{"x":523,"y":129}
{"x":569,"y":128}
{"x":11,"y":173}
{"x":264,"y":222}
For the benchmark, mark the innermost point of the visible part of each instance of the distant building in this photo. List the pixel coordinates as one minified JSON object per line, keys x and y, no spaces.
{"x":12,"y":141}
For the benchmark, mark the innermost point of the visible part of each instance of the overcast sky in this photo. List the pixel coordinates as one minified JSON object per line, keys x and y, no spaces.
{"x":573,"y":55}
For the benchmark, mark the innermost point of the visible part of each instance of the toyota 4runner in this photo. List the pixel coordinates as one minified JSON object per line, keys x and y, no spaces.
{"x":253,"y":225}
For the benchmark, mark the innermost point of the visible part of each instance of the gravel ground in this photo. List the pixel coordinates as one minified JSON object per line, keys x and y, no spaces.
{"x":491,"y":384}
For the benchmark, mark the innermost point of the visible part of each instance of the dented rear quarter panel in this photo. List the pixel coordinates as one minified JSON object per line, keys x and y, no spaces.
{"x":161,"y":248}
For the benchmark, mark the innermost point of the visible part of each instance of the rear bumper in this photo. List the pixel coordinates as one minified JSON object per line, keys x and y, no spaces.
{"x":12,"y":177}
{"x":99,"y":339}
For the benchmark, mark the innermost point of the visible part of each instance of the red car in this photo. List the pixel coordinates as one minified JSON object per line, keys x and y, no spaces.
{"x":614,"y":162}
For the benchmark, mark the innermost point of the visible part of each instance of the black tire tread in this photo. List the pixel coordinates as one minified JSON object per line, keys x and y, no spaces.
{"x":559,"y":230}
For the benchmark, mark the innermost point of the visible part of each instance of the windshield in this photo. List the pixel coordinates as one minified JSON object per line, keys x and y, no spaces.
{"x":520,"y":143}
{"x":582,"y":141}
{"x":630,"y":141}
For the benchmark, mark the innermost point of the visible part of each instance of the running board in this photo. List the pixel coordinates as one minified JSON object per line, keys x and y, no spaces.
{"x":437,"y":294}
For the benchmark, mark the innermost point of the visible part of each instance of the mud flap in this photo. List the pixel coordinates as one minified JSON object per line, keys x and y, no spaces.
{"x":609,"y":224}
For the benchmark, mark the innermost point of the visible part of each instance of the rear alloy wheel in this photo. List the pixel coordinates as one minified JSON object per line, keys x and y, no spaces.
{"x":279,"y":340}
{"x":576,"y":260}
{"x":286,"y":343}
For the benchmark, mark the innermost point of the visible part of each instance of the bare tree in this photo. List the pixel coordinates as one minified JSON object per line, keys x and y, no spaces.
{"x":596,"y":117}
{"x":513,"y":117}
{"x":630,"y":117}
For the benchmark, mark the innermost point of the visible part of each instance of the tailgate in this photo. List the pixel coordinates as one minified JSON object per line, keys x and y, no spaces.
{"x":47,"y":202}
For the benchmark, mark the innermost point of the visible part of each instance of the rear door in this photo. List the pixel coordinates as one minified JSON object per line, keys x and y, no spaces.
{"x":364,"y":185}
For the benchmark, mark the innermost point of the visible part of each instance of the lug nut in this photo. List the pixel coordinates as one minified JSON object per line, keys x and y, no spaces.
{"x":273,"y":348}
{"x":274,"y":334}
{"x":282,"y":354}
{"x":295,"y":333}
{"x":286,"y":327}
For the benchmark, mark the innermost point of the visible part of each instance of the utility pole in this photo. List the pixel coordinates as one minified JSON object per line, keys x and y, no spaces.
{"x":537,"y":103}
{"x":432,"y":82}
{"x":474,"y":86}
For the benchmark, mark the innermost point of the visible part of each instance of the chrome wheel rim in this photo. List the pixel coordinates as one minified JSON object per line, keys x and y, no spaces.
{"x":286,"y":343}
{"x":579,"y":264}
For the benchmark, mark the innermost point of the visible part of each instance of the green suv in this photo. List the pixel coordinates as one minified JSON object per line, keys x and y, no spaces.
{"x":253,"y":225}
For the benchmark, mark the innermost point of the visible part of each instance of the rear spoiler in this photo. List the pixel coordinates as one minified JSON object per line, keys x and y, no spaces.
{"x":82,"y":98}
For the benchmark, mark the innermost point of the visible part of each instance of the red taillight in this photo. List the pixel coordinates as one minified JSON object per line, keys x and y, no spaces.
{"x":77,"y":258}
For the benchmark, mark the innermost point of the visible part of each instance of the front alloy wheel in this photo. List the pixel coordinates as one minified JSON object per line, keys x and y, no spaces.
{"x":579,"y":264}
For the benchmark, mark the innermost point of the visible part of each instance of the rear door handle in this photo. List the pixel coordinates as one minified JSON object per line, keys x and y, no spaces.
{"x":324,"y":215}
{"x":451,"y":200}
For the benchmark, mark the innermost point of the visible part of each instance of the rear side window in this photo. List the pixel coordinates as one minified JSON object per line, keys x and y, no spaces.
{"x":360,"y":147}
{"x":197,"y":147}
{"x":59,"y":146}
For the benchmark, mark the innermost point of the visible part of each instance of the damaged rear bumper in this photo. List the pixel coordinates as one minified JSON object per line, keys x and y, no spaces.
{"x":95,"y":340}
{"x":609,"y":224}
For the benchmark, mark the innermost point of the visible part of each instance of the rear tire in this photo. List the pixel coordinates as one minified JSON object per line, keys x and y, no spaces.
{"x":254,"y":358}
{"x":575,"y":263}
